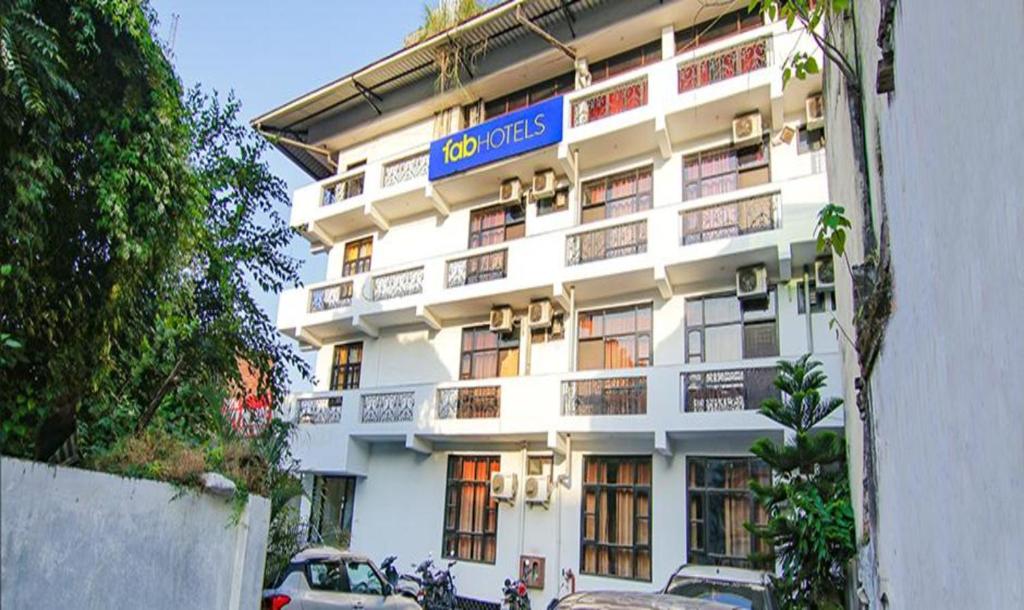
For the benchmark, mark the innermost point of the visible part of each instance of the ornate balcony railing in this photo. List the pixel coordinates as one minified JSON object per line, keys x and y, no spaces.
{"x":387,"y":408}
{"x":609,"y":102}
{"x":405,"y":169}
{"x":477,"y":268}
{"x":323,"y":410}
{"x":469,"y":403}
{"x":731,"y":390}
{"x":609,"y":242}
{"x":330,"y":297}
{"x":723,"y":65}
{"x":731,"y":219}
{"x":343,"y":189}
{"x":397,"y":284}
{"x":611,"y":396}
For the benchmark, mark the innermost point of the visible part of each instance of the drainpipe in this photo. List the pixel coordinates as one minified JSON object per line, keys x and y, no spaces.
{"x":807,"y":311}
{"x":522,"y":510}
{"x":560,"y":481}
{"x":570,"y":328}
{"x":577,"y":205}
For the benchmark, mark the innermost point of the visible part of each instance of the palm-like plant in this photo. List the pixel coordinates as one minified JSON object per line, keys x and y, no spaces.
{"x":810,"y":519}
{"x":31,"y":68}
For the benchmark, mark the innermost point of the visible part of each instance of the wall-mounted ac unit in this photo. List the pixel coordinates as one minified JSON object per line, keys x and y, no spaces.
{"x":511,"y":191}
{"x":543,"y":184}
{"x":537,"y":489}
{"x":814,"y":107}
{"x":752,"y":282}
{"x":501,"y":319}
{"x":824,"y":274}
{"x":747,"y":128}
{"x":503,"y":486}
{"x":539,"y":314}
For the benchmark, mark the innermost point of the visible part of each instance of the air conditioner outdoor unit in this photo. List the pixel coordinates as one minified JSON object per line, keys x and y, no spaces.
{"x":501,"y":319}
{"x":538,"y":489}
{"x":503,"y":486}
{"x":824,"y":274}
{"x":511,"y":191}
{"x":539,"y":314}
{"x":752,"y":282}
{"x":543,"y":184}
{"x":815,"y":109}
{"x":747,"y":128}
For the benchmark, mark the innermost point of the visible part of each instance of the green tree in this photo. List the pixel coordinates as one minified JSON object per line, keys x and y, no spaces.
{"x":810,"y":519}
{"x":135,"y":217}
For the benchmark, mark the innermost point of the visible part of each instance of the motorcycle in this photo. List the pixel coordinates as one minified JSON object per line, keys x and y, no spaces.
{"x":514,"y":596}
{"x":402,"y":584}
{"x":436,"y":587}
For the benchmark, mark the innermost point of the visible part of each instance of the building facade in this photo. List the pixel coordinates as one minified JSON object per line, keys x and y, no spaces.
{"x":936,"y":439}
{"x":557,"y":291}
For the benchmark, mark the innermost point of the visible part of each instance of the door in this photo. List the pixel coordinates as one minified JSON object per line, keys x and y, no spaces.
{"x":329,"y":587}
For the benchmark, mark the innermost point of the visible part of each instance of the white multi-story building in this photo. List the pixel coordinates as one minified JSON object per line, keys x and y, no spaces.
{"x":575,"y":268}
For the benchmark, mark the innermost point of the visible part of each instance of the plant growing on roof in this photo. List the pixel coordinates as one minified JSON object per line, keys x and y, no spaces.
{"x":450,"y":57}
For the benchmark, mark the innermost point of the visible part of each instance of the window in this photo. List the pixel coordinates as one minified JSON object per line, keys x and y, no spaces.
{"x":551,"y":333}
{"x":820,"y":299}
{"x":722,"y":328}
{"x":616,"y":523}
{"x":330,"y":516}
{"x":488,"y":354}
{"x":810,"y":140}
{"x":724,"y":170}
{"x":559,"y":202}
{"x":470,"y":514}
{"x":720,"y":502}
{"x":327,"y":576}
{"x":522,"y":98}
{"x":618,"y":195}
{"x":716,"y":29}
{"x":496,"y":224}
{"x":643,"y":55}
{"x":348,"y":361}
{"x":357,"y":257}
{"x":615,"y":338}
{"x":362,"y":578}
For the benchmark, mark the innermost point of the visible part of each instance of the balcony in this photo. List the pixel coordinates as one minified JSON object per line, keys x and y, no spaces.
{"x":732,"y":219}
{"x":318,"y":410}
{"x":405,"y":170}
{"x":474,"y":269}
{"x":610,"y":102}
{"x":397,"y":284}
{"x":727,"y":390}
{"x":387,"y":407}
{"x":605,"y":396}
{"x":605,"y":243}
{"x":342,"y":189}
{"x":330,"y":297}
{"x":469,"y":402}
{"x":734,"y":61}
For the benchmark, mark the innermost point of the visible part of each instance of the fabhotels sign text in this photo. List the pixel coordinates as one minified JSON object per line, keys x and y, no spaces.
{"x":506,"y":136}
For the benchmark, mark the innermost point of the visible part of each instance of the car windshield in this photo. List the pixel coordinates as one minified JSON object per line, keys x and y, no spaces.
{"x":727,"y":593}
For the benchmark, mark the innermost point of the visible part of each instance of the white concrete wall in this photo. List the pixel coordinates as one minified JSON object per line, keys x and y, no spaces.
{"x":946,"y":389}
{"x":79,"y":539}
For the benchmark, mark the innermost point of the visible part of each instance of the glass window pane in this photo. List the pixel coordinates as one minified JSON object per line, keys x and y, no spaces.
{"x":722,"y":343}
{"x":694,"y":312}
{"x":643,"y":318}
{"x":591,"y":355}
{"x":721,"y":310}
{"x":620,"y":322}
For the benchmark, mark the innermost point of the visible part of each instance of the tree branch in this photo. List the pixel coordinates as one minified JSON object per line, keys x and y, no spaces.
{"x":154,"y":403}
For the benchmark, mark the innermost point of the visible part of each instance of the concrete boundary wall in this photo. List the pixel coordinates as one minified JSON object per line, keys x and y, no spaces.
{"x":73,"y":538}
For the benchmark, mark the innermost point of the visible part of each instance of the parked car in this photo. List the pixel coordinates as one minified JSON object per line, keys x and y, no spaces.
{"x":325,"y":578}
{"x":627,"y":600}
{"x":735,"y":586}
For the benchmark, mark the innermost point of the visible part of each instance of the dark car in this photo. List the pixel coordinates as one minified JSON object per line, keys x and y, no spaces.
{"x":734,"y":586}
{"x":626,"y":600}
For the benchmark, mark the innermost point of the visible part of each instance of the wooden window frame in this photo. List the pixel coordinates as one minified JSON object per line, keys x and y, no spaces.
{"x":537,"y":92}
{"x":700,"y":555}
{"x":509,"y":221}
{"x":642,"y":200}
{"x":603,"y":337}
{"x":349,"y":370}
{"x":360,"y":264}
{"x":711,"y":30}
{"x":773,"y":300}
{"x":550,"y":205}
{"x":740,"y":169}
{"x":648,"y":54}
{"x":453,"y":508}
{"x":635,"y":490}
{"x":504,"y":342}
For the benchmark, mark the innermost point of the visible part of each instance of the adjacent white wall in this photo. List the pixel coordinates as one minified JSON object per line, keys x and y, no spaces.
{"x":79,"y":539}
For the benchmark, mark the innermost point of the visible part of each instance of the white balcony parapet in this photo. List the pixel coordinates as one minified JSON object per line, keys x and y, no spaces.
{"x":727,"y":390}
{"x":388,"y":407}
{"x":722,"y":65}
{"x":318,"y":410}
{"x":404,"y":170}
{"x":605,"y":396}
{"x":477,"y":268}
{"x":397,"y":284}
{"x":730,"y":219}
{"x":610,"y":101}
{"x":330,"y":297}
{"x":343,"y":188}
{"x":469,"y":402}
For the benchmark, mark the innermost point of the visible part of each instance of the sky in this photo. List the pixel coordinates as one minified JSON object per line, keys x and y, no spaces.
{"x":271,"y":51}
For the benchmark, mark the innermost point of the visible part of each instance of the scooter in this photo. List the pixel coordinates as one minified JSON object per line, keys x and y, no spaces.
{"x":437,"y":587}
{"x":402,"y":584}
{"x":514,"y":596}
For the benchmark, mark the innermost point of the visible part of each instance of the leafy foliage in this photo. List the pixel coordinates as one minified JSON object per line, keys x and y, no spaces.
{"x":452,"y":56}
{"x":812,"y":16}
{"x":135,"y":216}
{"x":810,"y":519}
{"x":831,"y":229}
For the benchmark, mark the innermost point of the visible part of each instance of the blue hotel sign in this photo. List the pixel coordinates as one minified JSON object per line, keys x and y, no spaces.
{"x":513,"y":134}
